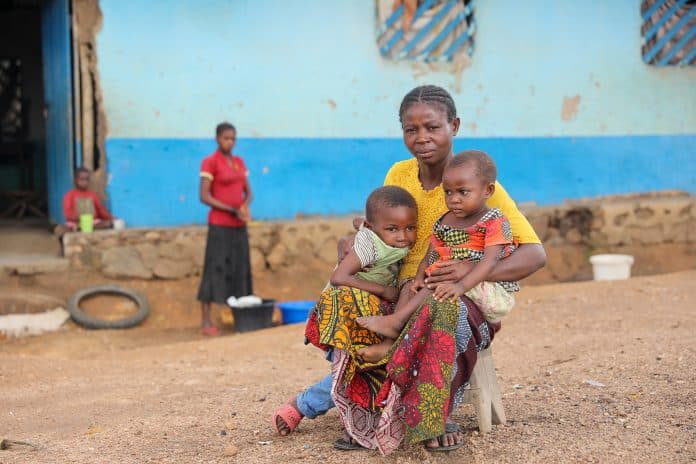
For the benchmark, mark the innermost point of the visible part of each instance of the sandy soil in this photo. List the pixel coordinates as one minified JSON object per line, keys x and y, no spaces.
{"x":162,"y":393}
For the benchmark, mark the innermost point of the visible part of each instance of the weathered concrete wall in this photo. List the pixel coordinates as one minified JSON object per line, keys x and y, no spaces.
{"x":563,"y":103}
{"x":658,"y":229}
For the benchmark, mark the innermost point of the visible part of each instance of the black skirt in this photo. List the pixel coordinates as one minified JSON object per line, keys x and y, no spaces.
{"x":227,"y":270}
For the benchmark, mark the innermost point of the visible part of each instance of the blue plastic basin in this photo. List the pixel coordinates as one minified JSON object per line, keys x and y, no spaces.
{"x":295,"y":311}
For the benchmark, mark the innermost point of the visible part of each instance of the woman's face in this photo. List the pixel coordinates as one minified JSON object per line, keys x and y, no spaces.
{"x":226,"y":140}
{"x":427,"y":133}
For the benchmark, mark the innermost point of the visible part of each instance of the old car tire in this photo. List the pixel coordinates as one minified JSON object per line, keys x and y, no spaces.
{"x":90,"y":322}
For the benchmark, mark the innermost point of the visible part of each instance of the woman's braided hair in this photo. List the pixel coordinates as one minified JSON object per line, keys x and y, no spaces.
{"x":429,"y":94}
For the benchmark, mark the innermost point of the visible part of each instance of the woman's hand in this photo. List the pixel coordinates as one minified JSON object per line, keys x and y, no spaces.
{"x":243,"y":213}
{"x":449,"y":271}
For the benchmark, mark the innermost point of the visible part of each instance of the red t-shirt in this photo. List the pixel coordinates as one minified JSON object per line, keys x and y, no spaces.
{"x":227,"y":186}
{"x":70,"y":205}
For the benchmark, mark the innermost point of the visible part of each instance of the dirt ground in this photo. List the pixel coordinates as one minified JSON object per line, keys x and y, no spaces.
{"x":590,"y":372}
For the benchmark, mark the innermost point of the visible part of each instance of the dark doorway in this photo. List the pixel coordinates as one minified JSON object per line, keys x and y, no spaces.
{"x":23,"y":173}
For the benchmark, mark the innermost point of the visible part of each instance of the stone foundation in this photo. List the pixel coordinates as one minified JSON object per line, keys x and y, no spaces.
{"x":659,"y":229}
{"x":172,"y":253}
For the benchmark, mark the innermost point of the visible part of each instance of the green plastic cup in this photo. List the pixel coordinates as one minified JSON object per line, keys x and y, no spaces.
{"x":86,"y":222}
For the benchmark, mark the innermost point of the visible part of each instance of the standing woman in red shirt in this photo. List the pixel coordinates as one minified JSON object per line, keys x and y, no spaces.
{"x":225,"y":188}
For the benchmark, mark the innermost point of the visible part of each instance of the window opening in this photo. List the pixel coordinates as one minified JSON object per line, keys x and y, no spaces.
{"x":441,"y":30}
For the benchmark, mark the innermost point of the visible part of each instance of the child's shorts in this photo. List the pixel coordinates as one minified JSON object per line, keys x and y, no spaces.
{"x":492,"y":299}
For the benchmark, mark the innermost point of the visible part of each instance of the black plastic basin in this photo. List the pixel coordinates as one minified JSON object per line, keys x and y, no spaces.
{"x":253,"y":317}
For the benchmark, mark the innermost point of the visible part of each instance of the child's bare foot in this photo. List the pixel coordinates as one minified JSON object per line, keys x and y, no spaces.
{"x":383,"y":325}
{"x":374,"y":353}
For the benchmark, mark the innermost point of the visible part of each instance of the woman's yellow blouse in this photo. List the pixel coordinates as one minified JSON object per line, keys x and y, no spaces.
{"x":431,"y":205}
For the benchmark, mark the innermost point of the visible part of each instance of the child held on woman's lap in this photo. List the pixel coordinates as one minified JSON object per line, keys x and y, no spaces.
{"x":373,"y":263}
{"x":469,"y":230}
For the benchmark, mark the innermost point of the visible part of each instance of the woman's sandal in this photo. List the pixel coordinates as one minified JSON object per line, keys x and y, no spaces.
{"x":347,"y":445}
{"x":290,"y":416}
{"x":450,"y":427}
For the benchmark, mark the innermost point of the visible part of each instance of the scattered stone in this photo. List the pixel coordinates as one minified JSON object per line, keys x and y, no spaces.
{"x":594,"y":383}
{"x":230,"y":450}
{"x":94,"y":429}
{"x":7,"y":444}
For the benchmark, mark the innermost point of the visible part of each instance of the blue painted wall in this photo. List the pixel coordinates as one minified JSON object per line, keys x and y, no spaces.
{"x":57,"y":78}
{"x":334,"y":176}
{"x":306,"y":111}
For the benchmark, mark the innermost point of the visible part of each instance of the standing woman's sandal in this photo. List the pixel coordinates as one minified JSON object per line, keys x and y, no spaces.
{"x":288,"y":414}
{"x":211,"y":331}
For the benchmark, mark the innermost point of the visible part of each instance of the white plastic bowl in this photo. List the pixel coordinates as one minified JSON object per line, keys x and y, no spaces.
{"x":611,"y":267}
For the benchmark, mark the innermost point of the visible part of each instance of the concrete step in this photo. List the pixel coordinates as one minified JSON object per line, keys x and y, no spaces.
{"x":30,"y":264}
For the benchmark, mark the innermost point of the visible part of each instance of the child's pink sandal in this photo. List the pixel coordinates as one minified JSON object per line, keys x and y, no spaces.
{"x":290,"y":416}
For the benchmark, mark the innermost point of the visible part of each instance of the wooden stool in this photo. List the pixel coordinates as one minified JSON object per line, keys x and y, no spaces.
{"x":484,"y":393}
{"x":22,"y":202}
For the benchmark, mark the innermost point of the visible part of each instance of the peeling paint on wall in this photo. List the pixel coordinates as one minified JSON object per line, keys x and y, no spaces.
{"x":91,"y":118}
{"x":569,"y":109}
